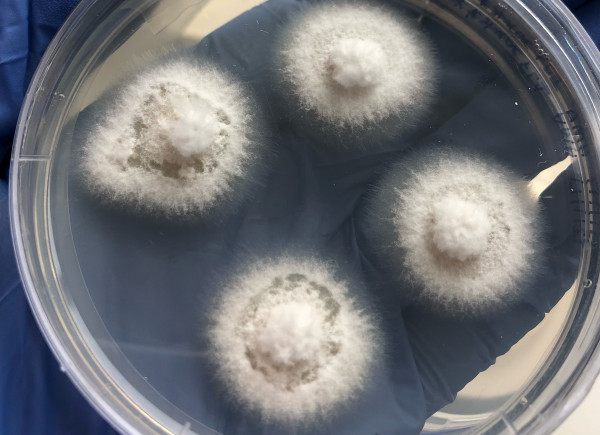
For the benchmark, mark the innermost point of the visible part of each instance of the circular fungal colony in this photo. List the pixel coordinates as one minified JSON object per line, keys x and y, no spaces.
{"x":289,"y":342}
{"x":356,"y":64}
{"x":463,"y":229}
{"x":178,"y":138}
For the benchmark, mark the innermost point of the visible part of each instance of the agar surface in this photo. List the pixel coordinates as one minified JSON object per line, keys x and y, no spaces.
{"x":178,"y":138}
{"x":355,"y":64}
{"x":464,"y":230}
{"x":289,"y":342}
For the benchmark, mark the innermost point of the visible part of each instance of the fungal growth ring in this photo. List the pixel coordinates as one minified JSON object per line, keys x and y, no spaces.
{"x":462,"y":230}
{"x":357,"y":64}
{"x":178,"y":138}
{"x":289,"y":341}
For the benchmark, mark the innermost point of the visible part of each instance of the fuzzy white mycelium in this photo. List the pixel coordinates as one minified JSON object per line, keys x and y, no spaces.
{"x":464,"y":231}
{"x":289,"y":342}
{"x":355,"y":64}
{"x":178,"y":138}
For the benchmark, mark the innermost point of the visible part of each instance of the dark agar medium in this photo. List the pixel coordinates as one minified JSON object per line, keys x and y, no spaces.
{"x":148,"y":278}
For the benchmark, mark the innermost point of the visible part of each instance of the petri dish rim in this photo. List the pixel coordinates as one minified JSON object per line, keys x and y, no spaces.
{"x":562,"y":388}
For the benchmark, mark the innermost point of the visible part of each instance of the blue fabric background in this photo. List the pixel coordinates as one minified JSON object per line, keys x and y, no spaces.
{"x":35,"y":397}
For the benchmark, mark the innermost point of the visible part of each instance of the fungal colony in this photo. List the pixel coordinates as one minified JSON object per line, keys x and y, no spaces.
{"x":356,"y":64}
{"x":463,"y":230}
{"x":289,"y":341}
{"x":178,"y":138}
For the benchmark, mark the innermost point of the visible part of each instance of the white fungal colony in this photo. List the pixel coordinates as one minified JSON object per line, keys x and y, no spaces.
{"x":354,"y":64}
{"x":178,"y":138}
{"x":463,"y":230}
{"x":290,"y":342}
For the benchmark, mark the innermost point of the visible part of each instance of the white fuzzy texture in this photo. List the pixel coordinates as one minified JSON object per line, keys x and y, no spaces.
{"x":289,"y":341}
{"x":356,"y":63}
{"x":177,"y":139}
{"x":292,"y":334}
{"x":460,"y":228}
{"x":464,"y":231}
{"x":194,"y":128}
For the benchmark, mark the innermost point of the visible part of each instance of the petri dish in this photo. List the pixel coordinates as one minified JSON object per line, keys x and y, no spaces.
{"x":121,"y":297}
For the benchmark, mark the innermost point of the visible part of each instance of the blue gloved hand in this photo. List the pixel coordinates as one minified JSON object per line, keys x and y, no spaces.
{"x":35,"y":397}
{"x":588,"y":13}
{"x":26,"y":28}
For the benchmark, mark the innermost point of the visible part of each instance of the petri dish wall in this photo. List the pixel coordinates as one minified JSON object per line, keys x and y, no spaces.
{"x":120,"y":296}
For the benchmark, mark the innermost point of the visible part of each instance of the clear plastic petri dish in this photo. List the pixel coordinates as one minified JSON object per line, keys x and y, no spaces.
{"x":121,"y":296}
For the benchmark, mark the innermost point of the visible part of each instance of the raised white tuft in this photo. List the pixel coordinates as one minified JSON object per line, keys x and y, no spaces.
{"x":289,"y":342}
{"x":292,"y":334}
{"x":357,"y":63}
{"x":193,"y":129}
{"x":354,"y":64}
{"x":179,"y":139}
{"x":462,"y":230}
